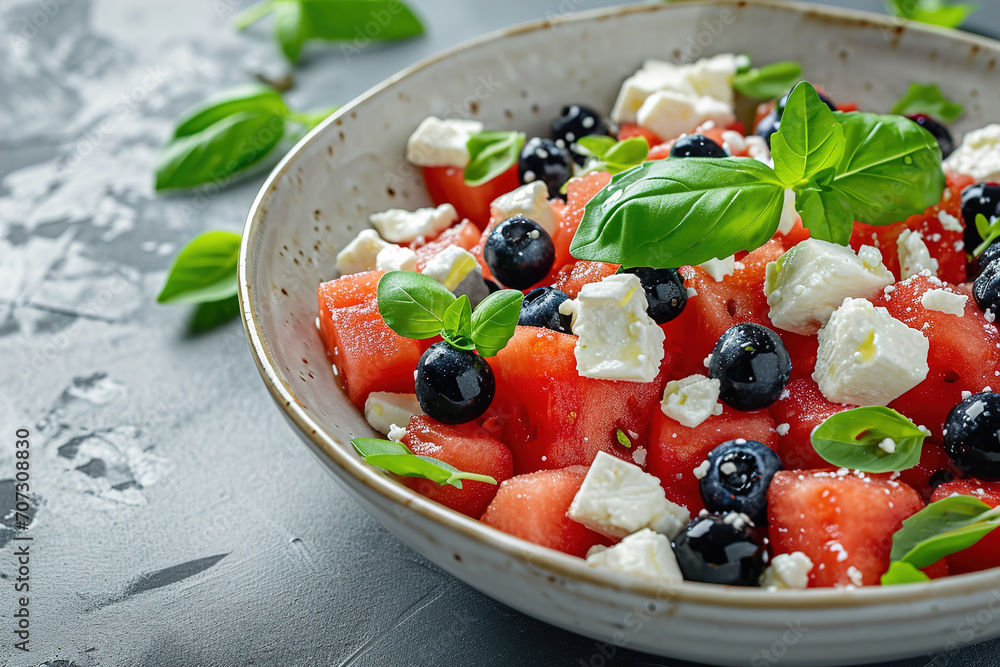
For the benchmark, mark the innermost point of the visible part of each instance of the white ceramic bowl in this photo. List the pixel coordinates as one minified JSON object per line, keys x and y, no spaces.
{"x":353,"y":164}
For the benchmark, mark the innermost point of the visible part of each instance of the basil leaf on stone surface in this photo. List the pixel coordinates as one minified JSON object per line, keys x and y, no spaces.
{"x":412,"y":304}
{"x":935,"y":12}
{"x":396,"y":458}
{"x":870,"y":439}
{"x":204,"y":270}
{"x":252,"y":98}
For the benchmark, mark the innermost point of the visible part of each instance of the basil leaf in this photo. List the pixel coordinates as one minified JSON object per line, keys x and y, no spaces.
{"x":211,"y":314}
{"x":826,"y":214}
{"x":623,"y":439}
{"x":627,"y":153}
{"x":669,"y":213}
{"x":495,"y":320}
{"x":988,"y":230}
{"x":252,"y":98}
{"x":927,"y":99}
{"x":457,"y":324}
{"x":768,"y":82}
{"x":810,"y":138}
{"x":935,"y":548}
{"x":596,"y":145}
{"x":934,"y":12}
{"x":891,"y":167}
{"x":856,"y":439}
{"x":396,"y":458}
{"x":289,"y":29}
{"x":204,"y":270}
{"x":412,"y":304}
{"x":491,"y":154}
{"x":934,"y":521}
{"x":901,"y":572}
{"x":219,"y":151}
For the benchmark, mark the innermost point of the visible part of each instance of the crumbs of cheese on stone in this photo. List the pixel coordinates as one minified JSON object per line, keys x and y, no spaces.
{"x":914,"y":256}
{"x":944,"y":301}
{"x":645,"y":554}
{"x":531,"y":201}
{"x":617,"y":339}
{"x":691,"y":400}
{"x":441,"y":143}
{"x":400,"y":226}
{"x":383,"y":409}
{"x":396,"y":258}
{"x":361,"y":253}
{"x":787,"y":572}
{"x":617,"y":498}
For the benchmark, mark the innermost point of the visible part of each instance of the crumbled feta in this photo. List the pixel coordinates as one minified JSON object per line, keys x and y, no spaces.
{"x":811,"y":280}
{"x":720,"y":268}
{"x":854,"y":575}
{"x":639,"y":456}
{"x":787,"y":571}
{"x":396,"y":433}
{"x":914,"y":256}
{"x":702,"y":469}
{"x":441,"y":143}
{"x":396,"y":258}
{"x":789,"y":216}
{"x":758,"y":149}
{"x":360,"y":254}
{"x":867,"y":357}
{"x":670,"y":114}
{"x":949,"y":222}
{"x":978,"y":155}
{"x":783,"y":429}
{"x":709,"y":77}
{"x":888,"y":445}
{"x":401,"y":226}
{"x":531,"y":201}
{"x":617,"y":498}
{"x":691,"y":400}
{"x":944,"y":301}
{"x":645,"y":554}
{"x":451,"y":266}
{"x":384,"y":409}
{"x":617,"y":339}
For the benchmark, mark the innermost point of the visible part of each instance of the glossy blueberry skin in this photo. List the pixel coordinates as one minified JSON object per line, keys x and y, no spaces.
{"x":970,"y":436}
{"x":454,"y":386}
{"x":715,"y":552}
{"x":979,"y":264}
{"x":696,"y":145}
{"x":542,"y":160}
{"x":770,"y":123}
{"x":940,"y":132}
{"x":745,"y":489}
{"x":576,"y":121}
{"x":540,"y":308}
{"x":979,"y":198}
{"x":752,"y":365}
{"x":986,"y":288}
{"x":519,"y":252}
{"x":666,"y":295}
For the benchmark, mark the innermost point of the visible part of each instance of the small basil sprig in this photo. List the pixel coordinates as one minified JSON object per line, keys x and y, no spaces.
{"x":768,"y":82}
{"x":360,"y":21}
{"x":491,"y":154}
{"x":204,"y":273}
{"x":228,"y":134}
{"x":927,"y":99}
{"x":942,"y":528}
{"x":417,"y":306}
{"x":870,"y":439}
{"x":935,"y":12}
{"x":612,"y":156}
{"x":989,"y":231}
{"x":843,"y":167}
{"x":623,"y":439}
{"x":396,"y":458}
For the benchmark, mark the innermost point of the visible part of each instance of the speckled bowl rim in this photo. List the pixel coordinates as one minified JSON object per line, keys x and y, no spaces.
{"x":549,"y":559}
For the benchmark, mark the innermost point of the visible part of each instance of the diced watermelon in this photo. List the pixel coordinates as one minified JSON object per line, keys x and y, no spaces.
{"x":467,"y":447}
{"x":692,"y":335}
{"x":579,"y":191}
{"x":572,"y":277}
{"x":802,"y":350}
{"x":841,"y":521}
{"x":369,"y":356}
{"x":629,"y":130}
{"x":985,"y":553}
{"x":746,"y":300}
{"x":464,"y":235}
{"x":933,"y":461}
{"x":676,"y":450}
{"x":801,"y":409}
{"x":533,"y":507}
{"x":446,"y":185}
{"x":553,"y":417}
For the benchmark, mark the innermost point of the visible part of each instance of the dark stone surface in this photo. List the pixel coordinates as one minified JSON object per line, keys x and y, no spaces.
{"x":179,"y":521}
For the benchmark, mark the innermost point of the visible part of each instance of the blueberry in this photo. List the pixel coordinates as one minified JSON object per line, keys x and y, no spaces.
{"x":970,"y":436}
{"x":752,"y":364}
{"x":768,"y":125}
{"x":696,"y":145}
{"x":716,"y":550}
{"x":576,"y":121}
{"x":453,"y":386}
{"x":542,"y":160}
{"x":665,"y":292}
{"x":519,"y":252}
{"x":940,"y":132}
{"x":986,"y":288}
{"x":981,"y":198}
{"x":739,"y":472}
{"x":540,"y":308}
{"x":980,"y":264}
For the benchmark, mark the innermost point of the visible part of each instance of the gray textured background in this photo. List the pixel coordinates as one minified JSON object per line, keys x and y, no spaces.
{"x":179,"y":521}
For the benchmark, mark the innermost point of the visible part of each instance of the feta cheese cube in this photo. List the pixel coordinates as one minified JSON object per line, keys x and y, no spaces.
{"x":914,"y":257}
{"x":709,"y":77}
{"x":692,"y":400}
{"x":361,"y":253}
{"x":787,"y":571}
{"x":978,"y":155}
{"x":949,"y":222}
{"x":531,"y":201}
{"x":867,"y":357}
{"x":720,"y":268}
{"x":670,"y":114}
{"x":944,"y":301}
{"x":617,"y":339}
{"x":713,"y":77}
{"x":396,"y":258}
{"x":401,"y":226}
{"x":811,"y":280}
{"x":617,"y":498}
{"x":645,"y":554}
{"x":441,"y":143}
{"x":384,"y":409}
{"x":451,"y":266}
{"x":789,"y":216}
